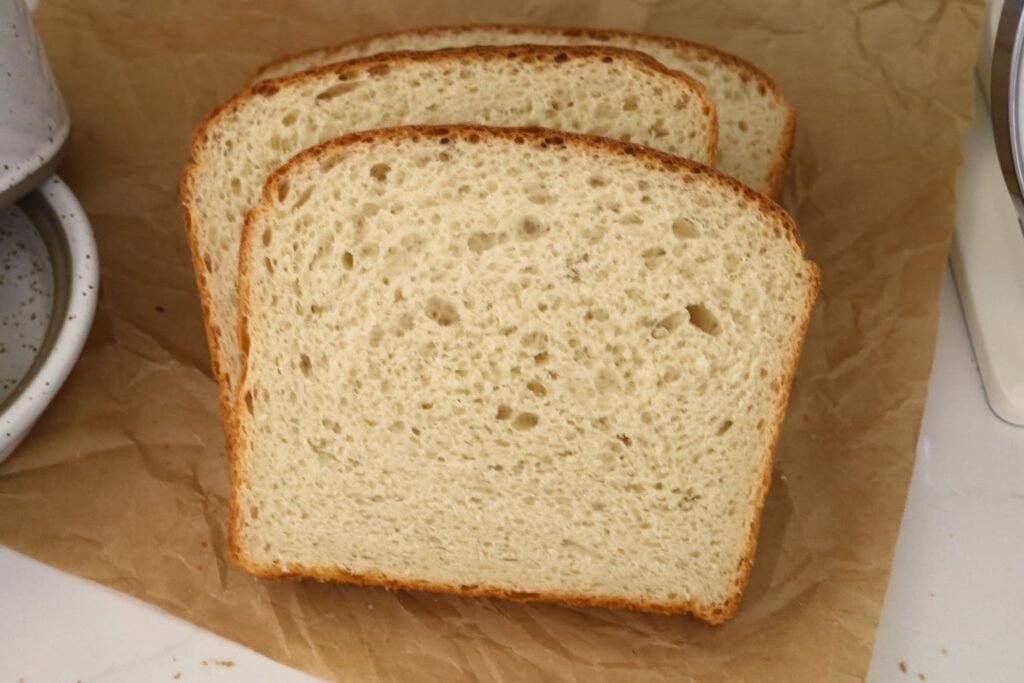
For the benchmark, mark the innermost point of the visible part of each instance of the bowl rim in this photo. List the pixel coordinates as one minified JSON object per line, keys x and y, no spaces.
{"x":66,"y":337}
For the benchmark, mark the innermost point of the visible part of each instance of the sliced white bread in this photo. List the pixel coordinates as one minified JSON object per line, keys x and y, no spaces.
{"x":515,"y":363}
{"x":619,"y":93}
{"x":756,"y":124}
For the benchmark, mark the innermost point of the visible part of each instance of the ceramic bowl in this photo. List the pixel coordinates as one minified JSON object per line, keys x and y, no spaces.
{"x":49,"y":282}
{"x":34,"y":122}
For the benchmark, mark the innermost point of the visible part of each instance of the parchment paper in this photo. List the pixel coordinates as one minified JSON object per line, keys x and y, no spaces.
{"x":125,"y":479}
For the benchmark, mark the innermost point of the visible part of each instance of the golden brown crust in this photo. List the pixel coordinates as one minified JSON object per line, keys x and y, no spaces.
{"x":748,"y":71}
{"x":710,"y":613}
{"x":713,"y":615}
{"x":777,"y":175}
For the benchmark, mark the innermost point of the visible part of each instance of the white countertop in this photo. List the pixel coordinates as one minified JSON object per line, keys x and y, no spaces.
{"x":954,"y":609}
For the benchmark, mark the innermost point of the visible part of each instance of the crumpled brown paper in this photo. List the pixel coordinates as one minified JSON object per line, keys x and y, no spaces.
{"x":125,"y":479}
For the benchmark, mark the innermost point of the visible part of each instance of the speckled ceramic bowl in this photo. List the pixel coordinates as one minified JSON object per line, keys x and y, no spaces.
{"x":34,"y":122}
{"x":49,"y":281}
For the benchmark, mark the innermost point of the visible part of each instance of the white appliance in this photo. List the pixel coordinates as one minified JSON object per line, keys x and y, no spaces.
{"x":988,"y":245}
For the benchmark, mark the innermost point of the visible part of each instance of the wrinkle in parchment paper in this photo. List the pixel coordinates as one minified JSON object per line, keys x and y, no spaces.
{"x":125,"y":480}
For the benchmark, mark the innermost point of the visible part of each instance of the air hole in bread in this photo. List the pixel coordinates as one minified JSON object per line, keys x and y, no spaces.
{"x":379,"y":70}
{"x":724,"y":427}
{"x":703,"y":319}
{"x":658,"y":130}
{"x":336,"y":90}
{"x":441,"y":311}
{"x":598,"y":314}
{"x":282,"y":190}
{"x":207,"y":263}
{"x":504,"y":412}
{"x":668,"y":325}
{"x":541,"y":358}
{"x":347,"y":260}
{"x":329,"y":162}
{"x":380,"y":172}
{"x":406,"y":324}
{"x":742,"y":125}
{"x":376,"y":334}
{"x":596,"y":181}
{"x":305,"y":365}
{"x":537,"y":388}
{"x":671,"y":375}
{"x":248,"y":402}
{"x":268,"y":264}
{"x":531,"y":229}
{"x":236,"y":186}
{"x":534,"y":339}
{"x":303,"y":198}
{"x":653,"y":256}
{"x":524,"y":421}
{"x":254,"y":512}
{"x":684,"y":229}
{"x":289,"y":118}
{"x":630,"y":103}
{"x":480,"y":242}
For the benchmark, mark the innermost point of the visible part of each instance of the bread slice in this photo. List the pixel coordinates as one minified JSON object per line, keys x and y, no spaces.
{"x":756,"y":124}
{"x":619,"y":93}
{"x":515,"y":363}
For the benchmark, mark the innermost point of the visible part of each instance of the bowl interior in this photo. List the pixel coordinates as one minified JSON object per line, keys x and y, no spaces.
{"x":34,"y":291}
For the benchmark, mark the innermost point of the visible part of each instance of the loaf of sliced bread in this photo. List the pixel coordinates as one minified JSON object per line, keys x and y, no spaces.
{"x":516,"y":363}
{"x":608,"y":91}
{"x":756,"y":123}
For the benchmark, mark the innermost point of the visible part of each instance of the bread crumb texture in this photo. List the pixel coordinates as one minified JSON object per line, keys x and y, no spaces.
{"x":499,"y":362}
{"x":607,"y":92}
